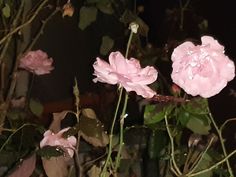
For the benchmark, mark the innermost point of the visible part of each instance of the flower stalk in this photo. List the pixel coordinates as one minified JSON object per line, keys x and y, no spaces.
{"x":222,"y":144}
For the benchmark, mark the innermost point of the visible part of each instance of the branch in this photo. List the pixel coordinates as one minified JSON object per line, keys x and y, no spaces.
{"x":24,"y":24}
{"x":14,"y":73}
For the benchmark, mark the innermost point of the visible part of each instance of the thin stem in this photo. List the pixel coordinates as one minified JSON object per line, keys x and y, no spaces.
{"x":8,"y":139}
{"x":226,"y":122}
{"x":222,"y":143}
{"x":172,"y":147}
{"x":213,"y":166}
{"x":128,"y":44}
{"x":187,"y":161}
{"x":195,"y":165}
{"x":117,"y":164}
{"x":103,"y":173}
{"x":123,"y":115}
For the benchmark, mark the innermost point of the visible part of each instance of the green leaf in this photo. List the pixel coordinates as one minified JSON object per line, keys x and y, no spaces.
{"x":6,"y":11}
{"x":105,"y":7}
{"x":197,"y":105}
{"x":156,"y":113}
{"x":204,"y":164}
{"x":194,"y":115}
{"x":50,"y":151}
{"x":87,"y":16}
{"x":91,"y":129}
{"x":183,"y":116}
{"x":198,"y":125}
{"x":36,"y":107}
{"x":107,"y":44}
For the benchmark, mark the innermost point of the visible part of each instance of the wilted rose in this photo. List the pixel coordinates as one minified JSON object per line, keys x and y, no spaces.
{"x":68,"y":10}
{"x":127,"y":73}
{"x":203,"y":69}
{"x":57,"y":139}
{"x":36,"y":62}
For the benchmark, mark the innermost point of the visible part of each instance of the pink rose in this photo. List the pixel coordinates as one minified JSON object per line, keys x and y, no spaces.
{"x":36,"y":62}
{"x":56,"y":139}
{"x":203,"y":69}
{"x":127,"y":73}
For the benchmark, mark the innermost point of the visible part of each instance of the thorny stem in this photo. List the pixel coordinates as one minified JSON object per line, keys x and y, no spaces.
{"x":175,"y":167}
{"x":222,"y":143}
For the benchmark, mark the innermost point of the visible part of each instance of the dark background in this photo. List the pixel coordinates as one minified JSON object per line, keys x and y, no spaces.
{"x":74,"y":51}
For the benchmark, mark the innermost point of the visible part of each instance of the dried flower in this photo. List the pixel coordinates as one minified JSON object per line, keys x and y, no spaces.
{"x":203,"y":69}
{"x":68,"y":10}
{"x":36,"y":62}
{"x":127,"y":73}
{"x":134,"y":27}
{"x":56,"y":139}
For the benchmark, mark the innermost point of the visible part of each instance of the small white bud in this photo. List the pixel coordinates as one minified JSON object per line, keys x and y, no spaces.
{"x":133,"y":27}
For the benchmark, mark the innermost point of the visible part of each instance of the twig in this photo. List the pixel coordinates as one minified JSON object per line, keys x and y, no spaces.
{"x":227,"y":121}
